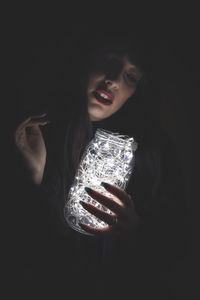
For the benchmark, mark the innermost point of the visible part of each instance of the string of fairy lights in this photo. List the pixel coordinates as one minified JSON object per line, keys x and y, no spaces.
{"x":109,"y":157}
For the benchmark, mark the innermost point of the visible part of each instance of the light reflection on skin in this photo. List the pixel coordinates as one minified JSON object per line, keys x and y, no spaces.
{"x":123,"y":86}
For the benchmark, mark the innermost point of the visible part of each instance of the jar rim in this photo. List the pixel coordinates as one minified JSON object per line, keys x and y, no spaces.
{"x":115,"y":137}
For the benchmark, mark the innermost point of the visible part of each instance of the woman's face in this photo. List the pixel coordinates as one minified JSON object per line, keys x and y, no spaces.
{"x":110,"y":86}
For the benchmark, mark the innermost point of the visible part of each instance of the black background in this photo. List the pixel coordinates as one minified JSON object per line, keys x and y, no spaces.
{"x":34,"y":36}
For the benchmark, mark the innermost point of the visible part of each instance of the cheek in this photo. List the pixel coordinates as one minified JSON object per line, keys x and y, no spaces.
{"x":90,"y":84}
{"x":128,"y":92}
{"x":132,"y":89}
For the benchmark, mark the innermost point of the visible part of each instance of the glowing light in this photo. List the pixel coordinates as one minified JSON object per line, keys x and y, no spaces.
{"x":109,"y":157}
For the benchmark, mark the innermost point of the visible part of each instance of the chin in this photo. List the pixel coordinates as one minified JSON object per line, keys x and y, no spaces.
{"x":95,"y":119}
{"x":96,"y":114}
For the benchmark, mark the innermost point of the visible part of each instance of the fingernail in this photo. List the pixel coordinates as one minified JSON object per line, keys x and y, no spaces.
{"x":89,"y":190}
{"x":82,"y":203}
{"x":42,"y":114}
{"x":105,"y":185}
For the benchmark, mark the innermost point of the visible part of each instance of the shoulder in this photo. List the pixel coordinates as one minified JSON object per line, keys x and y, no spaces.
{"x":156,"y":159}
{"x":156,"y":144}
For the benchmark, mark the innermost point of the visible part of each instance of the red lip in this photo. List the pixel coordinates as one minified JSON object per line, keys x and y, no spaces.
{"x":100,"y":98}
{"x":109,"y":95}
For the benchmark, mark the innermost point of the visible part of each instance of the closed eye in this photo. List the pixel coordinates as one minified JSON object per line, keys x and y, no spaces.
{"x":131,"y":77}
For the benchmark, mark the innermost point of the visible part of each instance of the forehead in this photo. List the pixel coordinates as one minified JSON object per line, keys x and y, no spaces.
{"x":125,"y":61}
{"x":120,"y":57}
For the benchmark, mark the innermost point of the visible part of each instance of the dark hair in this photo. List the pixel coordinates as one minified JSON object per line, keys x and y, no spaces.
{"x":139,"y":117}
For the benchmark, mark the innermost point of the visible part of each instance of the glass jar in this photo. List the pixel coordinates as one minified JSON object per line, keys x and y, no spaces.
{"x":108,"y":157}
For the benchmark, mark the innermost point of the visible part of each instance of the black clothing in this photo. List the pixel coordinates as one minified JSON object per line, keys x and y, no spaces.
{"x":60,"y":261}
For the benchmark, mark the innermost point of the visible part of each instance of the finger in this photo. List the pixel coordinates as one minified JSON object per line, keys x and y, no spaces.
{"x":107,"y":218}
{"x":38,"y":115}
{"x":39,"y":118}
{"x":106,"y":201}
{"x":36,"y":123}
{"x":119,"y":193}
{"x":21,"y":125}
{"x":31,"y":125}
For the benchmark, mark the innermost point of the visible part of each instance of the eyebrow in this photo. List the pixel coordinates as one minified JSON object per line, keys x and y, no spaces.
{"x":132,"y":68}
{"x":135,"y":70}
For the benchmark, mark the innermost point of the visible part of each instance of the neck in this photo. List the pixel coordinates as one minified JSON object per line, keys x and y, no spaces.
{"x":118,"y":122}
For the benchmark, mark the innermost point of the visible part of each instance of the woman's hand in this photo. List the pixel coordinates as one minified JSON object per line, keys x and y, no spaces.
{"x":123,"y":218}
{"x":29,"y":140}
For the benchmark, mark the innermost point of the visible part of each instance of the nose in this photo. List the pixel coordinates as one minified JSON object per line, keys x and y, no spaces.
{"x":112,"y":73}
{"x":113,"y":83}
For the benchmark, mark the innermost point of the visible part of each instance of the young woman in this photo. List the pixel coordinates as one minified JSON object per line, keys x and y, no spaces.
{"x":116,"y":92}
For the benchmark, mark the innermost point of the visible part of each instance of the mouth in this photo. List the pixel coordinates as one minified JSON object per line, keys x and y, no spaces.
{"x":103,"y":97}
